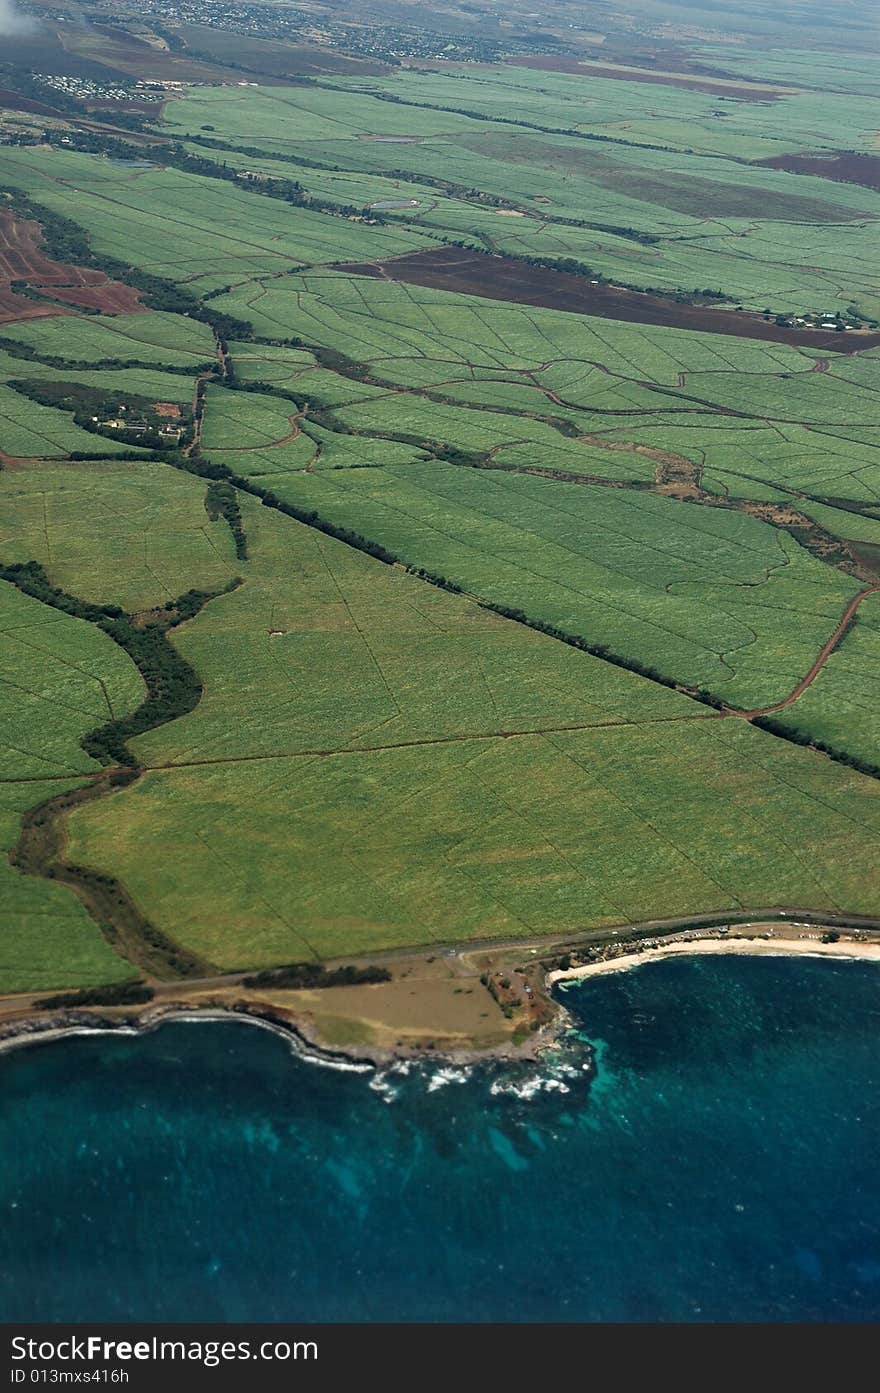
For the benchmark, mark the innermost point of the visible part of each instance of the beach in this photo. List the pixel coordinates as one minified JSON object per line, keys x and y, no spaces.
{"x":775,"y":946}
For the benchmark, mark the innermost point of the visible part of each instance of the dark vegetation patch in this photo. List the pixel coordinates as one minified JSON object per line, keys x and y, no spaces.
{"x":173,"y":687}
{"x":221,"y":501}
{"x":42,"y":51}
{"x":712,"y":198}
{"x":114,"y":994}
{"x":515,"y":281}
{"x":136,"y":421}
{"x":16,"y":101}
{"x":303,"y":976}
{"x":271,"y":57}
{"x":40,"y":852}
{"x":843,"y":166}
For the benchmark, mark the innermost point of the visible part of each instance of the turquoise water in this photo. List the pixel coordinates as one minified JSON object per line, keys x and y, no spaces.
{"x":721,"y":1164}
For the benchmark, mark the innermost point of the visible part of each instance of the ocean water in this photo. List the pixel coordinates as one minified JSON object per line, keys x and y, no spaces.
{"x":721,"y":1163}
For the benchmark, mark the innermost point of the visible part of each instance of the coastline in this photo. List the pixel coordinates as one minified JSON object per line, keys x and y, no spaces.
{"x":771,"y":946}
{"x":458,"y":1009}
{"x":38,"y":1028}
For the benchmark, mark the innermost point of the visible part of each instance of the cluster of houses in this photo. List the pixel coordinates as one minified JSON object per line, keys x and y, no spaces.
{"x":828,"y":320}
{"x":164,"y":419}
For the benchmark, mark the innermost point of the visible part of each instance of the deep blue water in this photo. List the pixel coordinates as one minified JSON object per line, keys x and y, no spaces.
{"x":722,"y":1165}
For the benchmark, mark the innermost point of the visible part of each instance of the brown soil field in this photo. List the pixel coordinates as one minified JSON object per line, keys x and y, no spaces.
{"x":14,"y":306}
{"x":14,"y":101}
{"x":501,"y":278}
{"x":548,"y":63}
{"x":22,"y":259}
{"x":843,"y":166}
{"x":112,"y":297}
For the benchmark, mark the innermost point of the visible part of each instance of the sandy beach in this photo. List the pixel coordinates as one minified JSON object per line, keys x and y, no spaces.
{"x":774,"y":946}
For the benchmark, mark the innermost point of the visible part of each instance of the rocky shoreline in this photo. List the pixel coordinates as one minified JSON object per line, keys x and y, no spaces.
{"x":531,"y":983}
{"x":37,"y":1028}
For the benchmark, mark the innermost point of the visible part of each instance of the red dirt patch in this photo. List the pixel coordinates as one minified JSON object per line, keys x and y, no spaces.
{"x":548,"y":63}
{"x":501,"y":278}
{"x":22,"y":258}
{"x":844,"y":167}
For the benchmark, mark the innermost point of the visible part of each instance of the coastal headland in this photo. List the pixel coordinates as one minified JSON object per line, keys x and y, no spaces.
{"x":464,"y":1004}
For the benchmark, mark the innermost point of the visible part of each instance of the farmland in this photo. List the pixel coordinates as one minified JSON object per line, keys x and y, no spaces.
{"x":518,"y":572}
{"x":60,"y":678}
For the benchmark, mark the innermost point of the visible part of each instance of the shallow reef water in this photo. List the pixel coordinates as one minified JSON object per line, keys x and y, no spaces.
{"x":701,"y":1146}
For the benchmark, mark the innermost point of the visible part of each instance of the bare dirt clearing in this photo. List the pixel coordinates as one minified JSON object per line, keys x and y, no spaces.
{"x":502,"y":278}
{"x":22,"y":259}
{"x":844,"y":167}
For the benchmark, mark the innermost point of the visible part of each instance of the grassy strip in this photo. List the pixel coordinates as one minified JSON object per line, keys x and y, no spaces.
{"x":16,"y":348}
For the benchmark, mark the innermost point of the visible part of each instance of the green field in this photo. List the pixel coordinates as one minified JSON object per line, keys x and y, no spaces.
{"x":330,"y":677}
{"x":59,"y":679}
{"x":472,"y":577}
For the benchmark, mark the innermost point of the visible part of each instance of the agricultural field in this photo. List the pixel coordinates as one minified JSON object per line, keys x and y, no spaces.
{"x":518,"y":570}
{"x":60,"y":678}
{"x":103,"y":534}
{"x":680,"y":201}
{"x":156,"y":339}
{"x":366,"y":713}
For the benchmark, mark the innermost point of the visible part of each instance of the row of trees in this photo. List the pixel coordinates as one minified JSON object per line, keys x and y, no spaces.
{"x":796,"y":736}
{"x":221,"y":500}
{"x":113,"y":994}
{"x":304,"y":976}
{"x":173,"y":686}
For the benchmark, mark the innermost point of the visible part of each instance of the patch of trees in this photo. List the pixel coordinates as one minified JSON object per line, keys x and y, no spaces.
{"x":221,"y":500}
{"x":141,"y":456}
{"x":114,"y":994}
{"x":173,"y":687}
{"x":304,"y":976}
{"x":92,"y":409}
